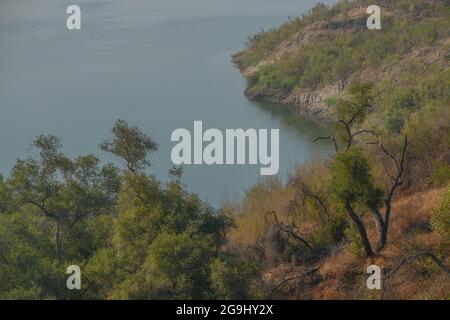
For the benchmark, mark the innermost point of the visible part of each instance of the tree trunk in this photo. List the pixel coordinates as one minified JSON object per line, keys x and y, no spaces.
{"x":383,"y":237}
{"x":381,"y":228}
{"x":58,"y":246}
{"x":361,"y":229}
{"x":382,"y":240}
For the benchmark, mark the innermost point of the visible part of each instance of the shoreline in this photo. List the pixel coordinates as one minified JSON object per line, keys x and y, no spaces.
{"x":303,"y":102}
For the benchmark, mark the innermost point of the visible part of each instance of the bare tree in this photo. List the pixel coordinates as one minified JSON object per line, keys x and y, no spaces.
{"x":290,"y":230}
{"x":382,"y":219}
{"x":351,"y":114}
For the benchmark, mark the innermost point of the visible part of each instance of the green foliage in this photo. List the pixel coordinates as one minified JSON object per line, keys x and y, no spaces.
{"x":355,"y":245}
{"x":352,"y":180}
{"x":131,"y":145}
{"x":62,"y":190}
{"x":394,"y":121}
{"x":5,"y":196}
{"x":441,"y":174}
{"x":27,"y":268}
{"x":233,"y":278}
{"x":429,"y":133}
{"x":336,"y":55}
{"x":167,"y":239}
{"x":163,"y":243}
{"x":441,"y":217}
{"x":176,"y":266}
{"x":133,"y":237}
{"x":332,"y":231}
{"x":361,"y":98}
{"x":351,"y":112}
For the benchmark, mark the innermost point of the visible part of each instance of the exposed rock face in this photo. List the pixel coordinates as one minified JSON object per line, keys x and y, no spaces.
{"x":308,"y":103}
{"x":311,"y":103}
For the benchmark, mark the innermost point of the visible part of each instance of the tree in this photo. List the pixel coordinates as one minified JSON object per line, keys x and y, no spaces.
{"x":131,"y":145}
{"x":350,"y":115}
{"x":234,"y":278}
{"x":27,"y":268}
{"x":62,"y":190}
{"x":5,"y":197}
{"x":353,"y":187}
{"x":163,"y":239}
{"x":162,"y":243}
{"x":382,"y":220}
{"x":352,"y":181}
{"x":132,"y":236}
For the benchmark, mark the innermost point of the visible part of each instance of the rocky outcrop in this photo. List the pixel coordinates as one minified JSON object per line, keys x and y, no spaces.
{"x":311,"y":103}
{"x":308,"y":103}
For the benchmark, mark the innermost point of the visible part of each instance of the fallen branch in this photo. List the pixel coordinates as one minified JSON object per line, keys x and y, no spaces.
{"x":435,"y":259}
{"x":304,"y":274}
{"x":288,"y":229}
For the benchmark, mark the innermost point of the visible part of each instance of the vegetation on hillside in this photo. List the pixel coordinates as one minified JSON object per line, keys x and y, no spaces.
{"x":381,"y":197}
{"x":132,"y":237}
{"x":408,"y":59}
{"x":390,"y":132}
{"x":344,"y":45}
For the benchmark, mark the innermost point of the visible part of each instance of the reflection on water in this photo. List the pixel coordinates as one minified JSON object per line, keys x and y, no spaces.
{"x":307,"y":128}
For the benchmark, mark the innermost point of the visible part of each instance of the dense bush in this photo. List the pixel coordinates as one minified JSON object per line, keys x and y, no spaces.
{"x":132,"y":237}
{"x":441,"y":217}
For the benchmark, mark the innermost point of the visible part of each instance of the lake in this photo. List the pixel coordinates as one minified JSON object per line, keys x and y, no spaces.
{"x":158,"y":64}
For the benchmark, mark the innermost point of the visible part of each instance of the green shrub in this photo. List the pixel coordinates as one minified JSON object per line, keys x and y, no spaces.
{"x":352,"y":181}
{"x":355,"y":246}
{"x":394,"y":121}
{"x":441,"y":174}
{"x":331,"y":232}
{"x":441,"y":216}
{"x":234,"y":278}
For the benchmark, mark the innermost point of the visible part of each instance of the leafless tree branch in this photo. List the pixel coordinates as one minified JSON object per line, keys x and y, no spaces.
{"x":428,"y":254}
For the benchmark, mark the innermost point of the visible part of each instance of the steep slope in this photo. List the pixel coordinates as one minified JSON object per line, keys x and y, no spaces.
{"x":341,"y":275}
{"x":310,"y":59}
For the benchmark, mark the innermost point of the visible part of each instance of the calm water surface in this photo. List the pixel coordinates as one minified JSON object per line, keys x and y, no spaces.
{"x":158,"y":64}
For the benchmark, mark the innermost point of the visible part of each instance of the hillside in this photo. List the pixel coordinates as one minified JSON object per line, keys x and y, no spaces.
{"x":378,"y":198}
{"x":315,"y":57}
{"x":340,"y":275}
{"x":381,"y":196}
{"x":333,"y":266}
